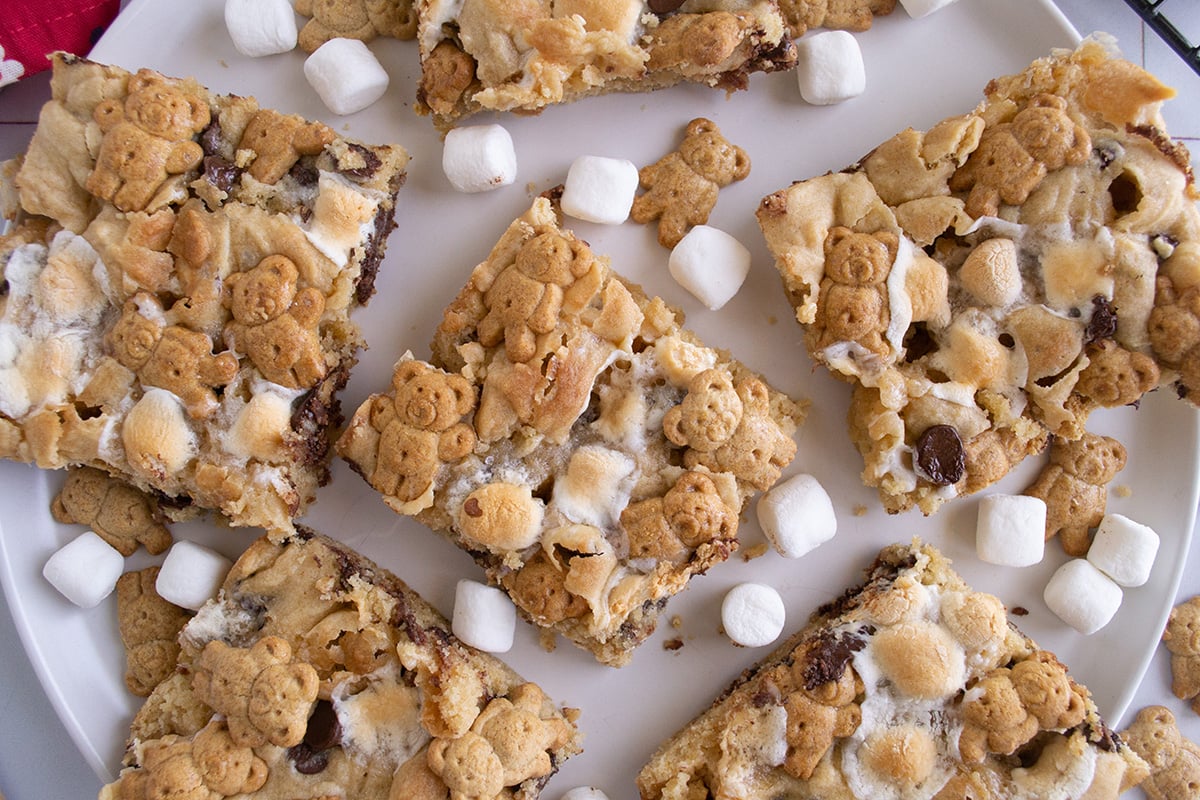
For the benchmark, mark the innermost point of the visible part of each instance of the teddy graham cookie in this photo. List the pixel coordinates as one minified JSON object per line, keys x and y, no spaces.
{"x":178,"y":287}
{"x":989,"y":282}
{"x":589,"y":452}
{"x":315,"y":673}
{"x":910,"y":685}
{"x":479,"y":55}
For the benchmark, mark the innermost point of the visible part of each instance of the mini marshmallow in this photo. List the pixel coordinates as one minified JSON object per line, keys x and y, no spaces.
{"x":191,"y":574}
{"x":484,"y":617}
{"x":1124,"y":550}
{"x":261,"y":27}
{"x":584,"y":793}
{"x":830,"y":67}
{"x":600,"y":189}
{"x":346,"y":75}
{"x":710,"y":264}
{"x":796,"y":516}
{"x":1082,"y":596}
{"x":85,"y":570}
{"x":923,"y":8}
{"x":1011,"y":530}
{"x":479,"y":158}
{"x":752,"y":614}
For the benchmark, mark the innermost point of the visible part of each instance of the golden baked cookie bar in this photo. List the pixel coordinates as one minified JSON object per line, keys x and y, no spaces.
{"x":993,"y":280}
{"x":317,"y":674}
{"x":520,"y":55}
{"x":586,"y":450}
{"x":909,"y":685}
{"x":178,"y":289}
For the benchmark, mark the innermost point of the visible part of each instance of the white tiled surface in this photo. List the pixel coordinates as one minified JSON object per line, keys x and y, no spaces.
{"x":38,"y":759}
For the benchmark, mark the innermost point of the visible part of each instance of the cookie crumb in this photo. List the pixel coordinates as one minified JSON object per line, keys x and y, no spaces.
{"x":859,"y":510}
{"x":1020,"y":611}
{"x":755,"y":551}
{"x":547,"y":640}
{"x":673,"y":644}
{"x":1123,"y":490}
{"x":676,"y":621}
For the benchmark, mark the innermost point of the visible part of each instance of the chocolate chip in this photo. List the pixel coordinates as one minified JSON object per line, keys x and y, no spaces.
{"x":471,"y":507}
{"x":371,"y":163}
{"x":304,"y":174}
{"x":1103,"y":324}
{"x":941,"y":458}
{"x":664,"y":6}
{"x":323,"y":731}
{"x":1020,"y":611}
{"x":828,"y":656}
{"x":210,"y":139}
{"x":221,"y":172}
{"x":307,"y":760}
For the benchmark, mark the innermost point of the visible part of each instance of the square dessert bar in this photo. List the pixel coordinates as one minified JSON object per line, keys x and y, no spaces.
{"x":910,"y":685}
{"x":178,"y":282}
{"x":585,"y":449}
{"x":991,"y":281}
{"x":315,"y":673}
{"x":481,"y":55}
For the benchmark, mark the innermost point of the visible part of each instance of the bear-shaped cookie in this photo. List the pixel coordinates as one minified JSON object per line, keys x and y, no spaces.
{"x":728,"y":428}
{"x":264,"y":695}
{"x":671,"y":527}
{"x":209,"y":766}
{"x":1174,"y":329}
{"x":819,"y":710}
{"x":420,"y":427}
{"x":681,"y":187}
{"x":118,"y":513}
{"x":1174,"y":760}
{"x":354,"y":19}
{"x":552,"y":274}
{"x":1074,"y":485}
{"x":278,"y":141}
{"x":149,"y":627}
{"x":275,"y":322}
{"x":170,"y":357}
{"x":147,"y":138}
{"x":852,"y":304}
{"x":1182,"y":638}
{"x":1013,"y":157}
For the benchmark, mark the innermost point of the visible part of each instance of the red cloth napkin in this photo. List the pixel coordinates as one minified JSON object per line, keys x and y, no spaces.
{"x":32,"y":29}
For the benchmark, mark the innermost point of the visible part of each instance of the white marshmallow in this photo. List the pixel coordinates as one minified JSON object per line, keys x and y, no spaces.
{"x":922,"y":8}
{"x":796,"y":516}
{"x":1124,"y":550}
{"x":484,"y":617}
{"x":191,"y":574}
{"x":346,"y":75}
{"x":85,"y":570}
{"x":710,"y":264}
{"x":752,"y":614}
{"x":261,"y":27}
{"x":1011,"y":530}
{"x":600,"y":189}
{"x":830,"y":67}
{"x":479,"y":158}
{"x":584,"y":793}
{"x":1082,"y":596}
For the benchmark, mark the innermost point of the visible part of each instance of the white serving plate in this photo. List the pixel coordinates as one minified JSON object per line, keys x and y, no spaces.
{"x":918,"y":72}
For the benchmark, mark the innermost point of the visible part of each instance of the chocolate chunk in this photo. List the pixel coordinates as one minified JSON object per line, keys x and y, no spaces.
{"x":307,"y":760}
{"x":940,"y":456}
{"x":371,"y":163}
{"x":664,"y":6}
{"x":304,"y":174}
{"x":828,"y":655}
{"x":1103,"y":324}
{"x":324,"y":731}
{"x":221,"y":172}
{"x":210,"y":139}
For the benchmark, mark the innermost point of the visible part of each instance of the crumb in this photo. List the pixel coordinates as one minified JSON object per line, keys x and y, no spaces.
{"x":547,"y":640}
{"x":673,"y":644}
{"x":223,"y":63}
{"x":1020,"y":611}
{"x":772,"y":319}
{"x":1123,"y":490}
{"x":755,"y":551}
{"x":676,"y":622}
{"x":860,"y":510}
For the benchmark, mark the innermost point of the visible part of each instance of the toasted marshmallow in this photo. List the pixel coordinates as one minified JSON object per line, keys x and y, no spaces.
{"x":796,"y":516}
{"x":346,"y":75}
{"x":261,"y":27}
{"x":484,"y":617}
{"x":600,"y":189}
{"x":85,"y":570}
{"x":191,"y":574}
{"x":478,"y":158}
{"x":830,"y":67}
{"x":1124,"y":550}
{"x":710,"y":264}
{"x":1011,"y":530}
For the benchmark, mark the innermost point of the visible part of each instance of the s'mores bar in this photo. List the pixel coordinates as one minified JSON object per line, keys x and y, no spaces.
{"x":589,"y":452}
{"x":315,"y":673}
{"x":178,"y":280}
{"x":909,"y":685}
{"x":989,"y":282}
{"x":522,"y":56}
